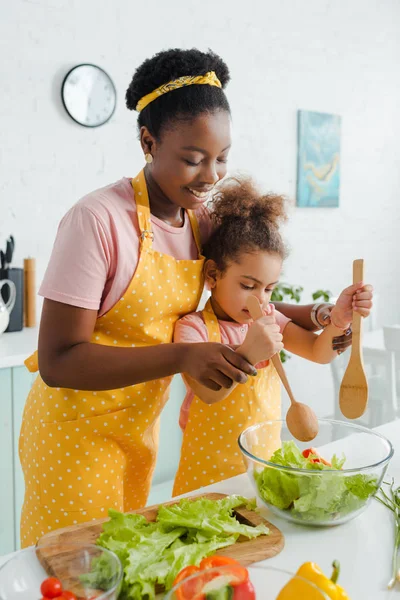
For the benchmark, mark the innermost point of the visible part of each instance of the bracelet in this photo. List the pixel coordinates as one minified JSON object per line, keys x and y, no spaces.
{"x":314,"y":312}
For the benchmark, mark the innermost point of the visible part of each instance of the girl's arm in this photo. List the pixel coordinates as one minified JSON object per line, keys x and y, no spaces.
{"x":68,"y":358}
{"x":309,"y":345}
{"x":318,"y":348}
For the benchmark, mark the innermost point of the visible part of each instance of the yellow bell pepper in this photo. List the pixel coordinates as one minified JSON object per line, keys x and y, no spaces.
{"x":298,"y":588}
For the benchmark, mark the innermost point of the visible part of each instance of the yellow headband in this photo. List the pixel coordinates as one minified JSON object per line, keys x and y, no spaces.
{"x":209,"y":78}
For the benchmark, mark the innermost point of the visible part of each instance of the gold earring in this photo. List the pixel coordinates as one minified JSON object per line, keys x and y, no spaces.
{"x":148,"y":158}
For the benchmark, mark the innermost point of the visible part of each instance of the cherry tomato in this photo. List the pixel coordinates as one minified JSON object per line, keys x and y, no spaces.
{"x":217,"y":561}
{"x":244,"y":591}
{"x":68,"y":596}
{"x":51,"y":588}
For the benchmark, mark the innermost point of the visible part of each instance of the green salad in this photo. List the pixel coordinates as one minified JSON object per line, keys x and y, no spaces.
{"x":318,"y":498}
{"x":153,"y":553}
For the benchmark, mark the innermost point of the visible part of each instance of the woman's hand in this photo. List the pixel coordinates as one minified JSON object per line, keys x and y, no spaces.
{"x":216,"y":366}
{"x":357,"y":297}
{"x":263,"y":339}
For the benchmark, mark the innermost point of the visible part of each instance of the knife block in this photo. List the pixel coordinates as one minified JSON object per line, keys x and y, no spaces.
{"x":17,"y":314}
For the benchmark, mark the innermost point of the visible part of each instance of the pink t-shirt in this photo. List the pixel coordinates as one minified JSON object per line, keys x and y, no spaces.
{"x":192,"y":329}
{"x":96,"y":250}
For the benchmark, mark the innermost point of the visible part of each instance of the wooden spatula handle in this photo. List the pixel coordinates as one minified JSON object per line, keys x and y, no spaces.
{"x":358,"y":275}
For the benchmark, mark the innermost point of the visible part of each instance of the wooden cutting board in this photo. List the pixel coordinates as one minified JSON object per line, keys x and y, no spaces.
{"x":244,"y":550}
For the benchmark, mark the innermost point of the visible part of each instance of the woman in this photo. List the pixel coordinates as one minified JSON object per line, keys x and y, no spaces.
{"x":125,"y":266}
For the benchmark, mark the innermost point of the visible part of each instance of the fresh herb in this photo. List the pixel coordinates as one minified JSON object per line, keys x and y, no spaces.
{"x":392,"y":502}
{"x":316,"y":498}
{"x":184,"y":533}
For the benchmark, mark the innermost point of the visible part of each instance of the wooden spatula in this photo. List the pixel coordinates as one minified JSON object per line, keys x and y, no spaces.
{"x":353,"y":395}
{"x":300,"y":418}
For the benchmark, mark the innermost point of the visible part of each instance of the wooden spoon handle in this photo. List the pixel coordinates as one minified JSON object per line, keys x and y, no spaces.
{"x":276,"y":361}
{"x":256,"y":312}
{"x":358,"y":275}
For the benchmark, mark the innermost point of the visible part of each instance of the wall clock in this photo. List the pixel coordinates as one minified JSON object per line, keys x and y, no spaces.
{"x":89,"y":96}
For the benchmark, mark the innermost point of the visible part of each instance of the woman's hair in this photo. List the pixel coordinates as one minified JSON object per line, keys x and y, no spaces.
{"x":184,"y":103}
{"x":245,"y":220}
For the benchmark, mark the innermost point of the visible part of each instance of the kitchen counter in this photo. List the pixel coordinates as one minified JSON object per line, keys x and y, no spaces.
{"x":363,"y":546}
{"x":17,"y":346}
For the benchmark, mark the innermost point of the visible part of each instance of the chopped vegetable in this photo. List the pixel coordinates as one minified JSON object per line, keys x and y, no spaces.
{"x":218,"y":578}
{"x":315,"y":498}
{"x":183,"y":535}
{"x":313,"y":455}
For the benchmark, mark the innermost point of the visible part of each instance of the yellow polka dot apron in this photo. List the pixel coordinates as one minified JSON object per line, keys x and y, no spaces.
{"x":84,"y":452}
{"x":210,"y":450}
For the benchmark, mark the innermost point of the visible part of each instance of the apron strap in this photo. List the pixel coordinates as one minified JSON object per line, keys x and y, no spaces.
{"x":143,"y":209}
{"x":211,"y":322}
{"x":144,"y":217}
{"x":196,"y":230}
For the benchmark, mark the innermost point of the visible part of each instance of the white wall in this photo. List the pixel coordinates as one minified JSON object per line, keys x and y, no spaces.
{"x":325,"y":55}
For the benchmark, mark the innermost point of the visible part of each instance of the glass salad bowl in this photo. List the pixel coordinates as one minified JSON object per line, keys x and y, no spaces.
{"x":85,"y":571}
{"x":326,"y":484}
{"x":267,"y":583}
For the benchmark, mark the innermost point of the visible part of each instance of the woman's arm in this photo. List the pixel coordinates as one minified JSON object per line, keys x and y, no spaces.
{"x":67,"y":358}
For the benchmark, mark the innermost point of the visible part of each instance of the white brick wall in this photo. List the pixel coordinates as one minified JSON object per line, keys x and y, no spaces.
{"x":340,"y":57}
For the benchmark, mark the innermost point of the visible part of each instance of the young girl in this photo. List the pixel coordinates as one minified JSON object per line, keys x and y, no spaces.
{"x":244,"y":257}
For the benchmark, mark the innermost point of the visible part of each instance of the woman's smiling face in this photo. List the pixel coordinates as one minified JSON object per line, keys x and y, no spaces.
{"x":190,"y":158}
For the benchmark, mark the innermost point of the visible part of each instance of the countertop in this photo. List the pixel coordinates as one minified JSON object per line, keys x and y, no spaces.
{"x":15,"y":347}
{"x":363,"y":546}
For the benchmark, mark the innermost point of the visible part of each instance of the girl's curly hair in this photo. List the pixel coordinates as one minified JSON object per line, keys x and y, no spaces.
{"x":245,"y":220}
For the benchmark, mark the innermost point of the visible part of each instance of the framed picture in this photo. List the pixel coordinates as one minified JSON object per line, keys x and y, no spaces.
{"x":318,"y":159}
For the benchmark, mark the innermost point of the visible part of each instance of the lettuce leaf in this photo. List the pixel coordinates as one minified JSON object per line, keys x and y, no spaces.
{"x":152,"y":554}
{"x":315,"y":498}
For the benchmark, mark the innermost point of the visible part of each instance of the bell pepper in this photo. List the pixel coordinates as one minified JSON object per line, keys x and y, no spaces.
{"x":309,"y":571}
{"x":220,"y":578}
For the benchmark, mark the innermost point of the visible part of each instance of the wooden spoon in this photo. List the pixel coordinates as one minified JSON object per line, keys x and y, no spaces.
{"x":300,"y":418}
{"x":353,"y":394}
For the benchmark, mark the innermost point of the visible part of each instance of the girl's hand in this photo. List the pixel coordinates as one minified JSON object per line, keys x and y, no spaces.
{"x":357,"y":297}
{"x":216,"y":366}
{"x":263,"y":339}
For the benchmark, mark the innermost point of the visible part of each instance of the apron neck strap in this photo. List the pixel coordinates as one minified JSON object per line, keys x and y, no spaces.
{"x":143,"y":209}
{"x":196,"y":230}
{"x":144,"y":216}
{"x":211,"y":323}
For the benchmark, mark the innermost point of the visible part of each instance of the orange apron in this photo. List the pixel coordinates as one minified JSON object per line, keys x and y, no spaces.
{"x":84,"y":452}
{"x":210,"y":450}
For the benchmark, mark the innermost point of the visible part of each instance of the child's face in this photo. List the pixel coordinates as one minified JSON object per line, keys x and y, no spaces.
{"x":251,"y":275}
